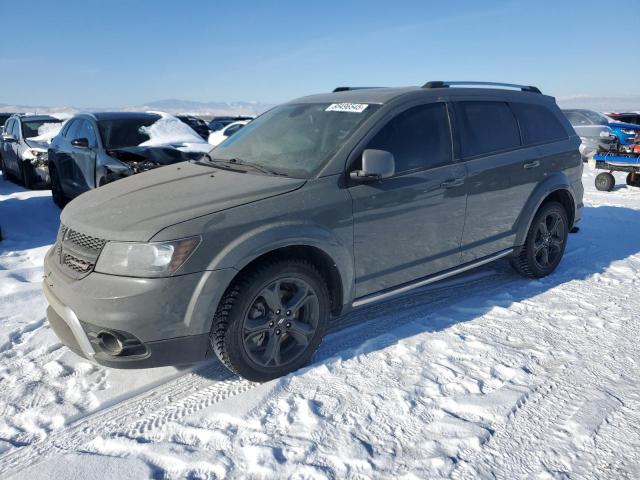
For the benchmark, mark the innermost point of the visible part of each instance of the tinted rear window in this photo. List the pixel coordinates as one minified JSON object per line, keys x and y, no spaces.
{"x":486,"y":127}
{"x":538,"y":124}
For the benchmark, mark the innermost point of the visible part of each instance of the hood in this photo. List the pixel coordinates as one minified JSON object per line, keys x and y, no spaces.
{"x":137,"y":207}
{"x":35,"y":144}
{"x":626,"y":126}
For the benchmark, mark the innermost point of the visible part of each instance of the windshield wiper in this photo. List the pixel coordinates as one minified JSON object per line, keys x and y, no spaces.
{"x":259,"y":168}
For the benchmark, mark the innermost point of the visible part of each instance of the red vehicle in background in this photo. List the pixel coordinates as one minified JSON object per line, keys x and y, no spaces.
{"x":636,"y":144}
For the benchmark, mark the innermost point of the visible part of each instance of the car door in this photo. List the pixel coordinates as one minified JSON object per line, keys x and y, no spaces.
{"x":83,"y":158}
{"x":63,"y":152}
{"x":410,"y":225}
{"x":499,"y":175}
{"x":11,"y":150}
{"x":6,"y":147}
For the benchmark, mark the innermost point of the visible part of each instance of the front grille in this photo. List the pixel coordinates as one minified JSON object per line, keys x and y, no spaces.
{"x":77,"y":264}
{"x":77,"y":252}
{"x":86,"y":241}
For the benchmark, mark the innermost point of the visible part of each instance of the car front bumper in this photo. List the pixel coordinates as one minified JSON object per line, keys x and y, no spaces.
{"x":166,"y":320}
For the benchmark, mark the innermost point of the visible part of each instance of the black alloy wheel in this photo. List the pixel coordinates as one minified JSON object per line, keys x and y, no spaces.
{"x":545,"y":242}
{"x":272,"y":319}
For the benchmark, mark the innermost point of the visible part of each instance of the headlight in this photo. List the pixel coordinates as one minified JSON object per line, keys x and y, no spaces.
{"x":33,"y":154}
{"x":155,"y":259}
{"x":628,"y":132}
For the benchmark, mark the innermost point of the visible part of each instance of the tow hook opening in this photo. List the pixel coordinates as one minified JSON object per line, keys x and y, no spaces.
{"x":111,"y":342}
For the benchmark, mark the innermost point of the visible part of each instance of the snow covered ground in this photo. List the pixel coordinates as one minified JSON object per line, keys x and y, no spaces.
{"x":488,"y":375}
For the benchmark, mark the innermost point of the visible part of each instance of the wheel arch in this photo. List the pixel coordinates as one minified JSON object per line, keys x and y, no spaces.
{"x":314,"y":243}
{"x":556,"y":188}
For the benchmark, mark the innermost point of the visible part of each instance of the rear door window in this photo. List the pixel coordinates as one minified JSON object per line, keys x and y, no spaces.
{"x":486,"y":127}
{"x":537,"y":123}
{"x":418,"y":138}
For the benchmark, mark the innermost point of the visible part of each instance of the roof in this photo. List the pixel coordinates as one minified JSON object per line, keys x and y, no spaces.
{"x":39,"y":118}
{"x":382,"y":95}
{"x":99,"y":116}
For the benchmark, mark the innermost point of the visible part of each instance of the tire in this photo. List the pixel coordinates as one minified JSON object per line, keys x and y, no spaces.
{"x":545,"y":243}
{"x":258,"y":330}
{"x":26,"y":174}
{"x":605,"y":182}
{"x":57,"y":193}
{"x":633,"y":179}
{"x":5,"y":174}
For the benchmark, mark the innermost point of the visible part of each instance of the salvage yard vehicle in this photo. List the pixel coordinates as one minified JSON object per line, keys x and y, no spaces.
{"x":219,"y":122}
{"x":326,"y":203}
{"x":219,"y":136}
{"x":630,"y":117}
{"x":22,"y":156}
{"x":197,"y":124}
{"x":624,"y":132}
{"x":94,"y":149}
{"x":595,"y":134}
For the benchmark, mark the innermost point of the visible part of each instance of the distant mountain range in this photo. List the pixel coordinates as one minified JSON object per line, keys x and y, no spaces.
{"x":601,"y":104}
{"x":209,"y":109}
{"x":205,"y":109}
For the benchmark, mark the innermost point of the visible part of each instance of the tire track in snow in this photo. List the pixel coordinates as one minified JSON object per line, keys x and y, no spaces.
{"x":195,"y":391}
{"x":540,"y":435}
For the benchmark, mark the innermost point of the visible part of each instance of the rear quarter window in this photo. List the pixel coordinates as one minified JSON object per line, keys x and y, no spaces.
{"x":486,"y":127}
{"x":538,"y":124}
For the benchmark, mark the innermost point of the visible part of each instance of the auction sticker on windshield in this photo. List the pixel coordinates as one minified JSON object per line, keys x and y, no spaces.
{"x":347,"y":107}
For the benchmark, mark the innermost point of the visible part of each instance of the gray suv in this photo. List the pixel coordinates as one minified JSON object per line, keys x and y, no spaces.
{"x":320,"y":205}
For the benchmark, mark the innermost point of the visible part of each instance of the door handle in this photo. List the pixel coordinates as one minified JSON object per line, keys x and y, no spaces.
{"x":534,"y":164}
{"x":455,"y":182}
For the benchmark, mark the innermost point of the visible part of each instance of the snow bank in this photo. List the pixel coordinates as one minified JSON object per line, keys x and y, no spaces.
{"x":170,"y":131}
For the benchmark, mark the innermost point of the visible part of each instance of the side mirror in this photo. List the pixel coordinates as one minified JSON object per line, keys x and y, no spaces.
{"x":376,"y":165}
{"x":7,"y":137}
{"x":80,"y":143}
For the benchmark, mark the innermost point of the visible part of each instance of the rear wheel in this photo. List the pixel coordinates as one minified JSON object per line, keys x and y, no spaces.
{"x":605,"y":182}
{"x":545,"y":242}
{"x":57,"y":194}
{"x":633,"y":179}
{"x":272,"y":321}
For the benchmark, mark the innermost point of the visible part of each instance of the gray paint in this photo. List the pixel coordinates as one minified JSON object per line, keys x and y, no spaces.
{"x":380,"y":236}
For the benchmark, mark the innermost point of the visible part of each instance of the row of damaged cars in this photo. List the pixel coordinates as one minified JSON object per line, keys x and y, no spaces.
{"x":89,"y":150}
{"x":602,"y":133}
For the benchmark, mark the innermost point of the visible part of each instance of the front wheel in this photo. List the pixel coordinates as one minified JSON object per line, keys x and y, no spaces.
{"x":26,"y":174}
{"x":605,"y":182}
{"x":5,"y":173}
{"x":545,"y":243}
{"x":272,"y":321}
{"x":57,"y":194}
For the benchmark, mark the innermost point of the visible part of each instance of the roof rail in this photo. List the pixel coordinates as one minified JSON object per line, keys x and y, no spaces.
{"x":441,"y":84}
{"x":347,"y":89}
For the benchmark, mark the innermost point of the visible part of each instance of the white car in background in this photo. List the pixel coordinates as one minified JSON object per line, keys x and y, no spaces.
{"x":219,"y":136}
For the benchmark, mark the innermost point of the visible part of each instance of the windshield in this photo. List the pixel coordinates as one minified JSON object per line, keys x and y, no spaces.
{"x":595,"y":118}
{"x":124,"y":133}
{"x":295,"y":139}
{"x":32,"y":128}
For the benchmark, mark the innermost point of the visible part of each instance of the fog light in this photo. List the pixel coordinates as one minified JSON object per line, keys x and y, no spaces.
{"x":111,"y":342}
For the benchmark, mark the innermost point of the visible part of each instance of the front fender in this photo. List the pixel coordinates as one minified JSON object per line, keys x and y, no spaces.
{"x":260,"y":241}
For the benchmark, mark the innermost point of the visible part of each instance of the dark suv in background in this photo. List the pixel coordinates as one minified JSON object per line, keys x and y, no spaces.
{"x":320,"y":205}
{"x":94,"y":149}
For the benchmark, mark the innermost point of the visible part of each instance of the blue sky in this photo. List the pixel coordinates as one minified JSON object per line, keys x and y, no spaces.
{"x":112,"y":53}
